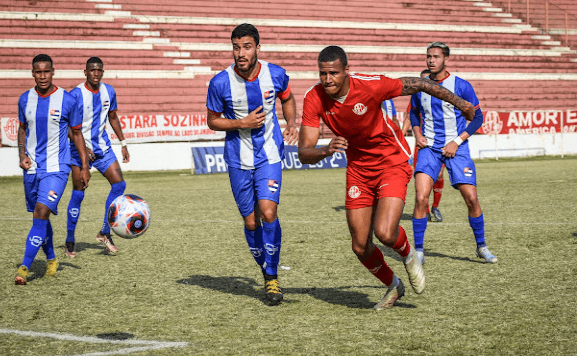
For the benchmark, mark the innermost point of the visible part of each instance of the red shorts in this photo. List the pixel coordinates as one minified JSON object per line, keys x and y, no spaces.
{"x":366,"y":187}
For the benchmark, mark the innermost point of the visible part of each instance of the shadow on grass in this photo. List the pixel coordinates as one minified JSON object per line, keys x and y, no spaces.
{"x":245,"y":286}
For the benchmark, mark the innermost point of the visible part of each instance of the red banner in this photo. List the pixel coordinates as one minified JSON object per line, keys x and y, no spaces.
{"x":529,"y":122}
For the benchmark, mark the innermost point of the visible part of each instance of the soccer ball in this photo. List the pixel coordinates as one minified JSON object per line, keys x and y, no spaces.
{"x":128,"y":216}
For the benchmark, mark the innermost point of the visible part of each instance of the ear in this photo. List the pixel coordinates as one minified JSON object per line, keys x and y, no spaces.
{"x":258,"y":49}
{"x":85,"y":73}
{"x":347,"y":69}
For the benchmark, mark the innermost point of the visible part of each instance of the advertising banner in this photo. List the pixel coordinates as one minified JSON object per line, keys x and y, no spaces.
{"x":211,"y":160}
{"x":160,"y":128}
{"x":9,"y":127}
{"x":529,"y":122}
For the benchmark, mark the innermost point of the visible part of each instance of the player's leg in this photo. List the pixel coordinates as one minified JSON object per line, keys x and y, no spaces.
{"x":48,"y":248}
{"x":73,"y":211}
{"x":268,"y":182}
{"x":437,"y":194}
{"x":110,"y":169}
{"x":463,"y":176}
{"x":35,"y":239}
{"x":428,"y":166}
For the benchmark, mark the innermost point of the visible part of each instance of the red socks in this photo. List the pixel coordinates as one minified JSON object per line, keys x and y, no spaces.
{"x":378,"y":267}
{"x":438,"y":191}
{"x":402,"y":246}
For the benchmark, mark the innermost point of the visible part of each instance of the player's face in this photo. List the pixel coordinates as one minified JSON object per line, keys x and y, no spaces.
{"x":245,"y":52}
{"x":334,"y":78}
{"x":93,"y":73}
{"x":43,"y":73}
{"x":436,"y":61}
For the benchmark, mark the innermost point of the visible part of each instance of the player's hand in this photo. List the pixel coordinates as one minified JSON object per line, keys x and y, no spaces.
{"x":125,"y":155}
{"x":84,"y":176}
{"x":291,"y":134}
{"x":255,"y":119}
{"x":420,"y":141}
{"x":450,"y":149}
{"x":90,"y":154}
{"x":337,"y":144}
{"x":25,"y":163}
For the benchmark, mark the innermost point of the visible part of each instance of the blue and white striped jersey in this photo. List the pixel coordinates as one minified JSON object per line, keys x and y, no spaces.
{"x":47,"y":119}
{"x":94,"y":108}
{"x":388,"y":108}
{"x":235,"y":97}
{"x":442,"y":122}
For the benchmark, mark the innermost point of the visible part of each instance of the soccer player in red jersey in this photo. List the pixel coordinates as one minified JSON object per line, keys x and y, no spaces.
{"x":378,"y":171}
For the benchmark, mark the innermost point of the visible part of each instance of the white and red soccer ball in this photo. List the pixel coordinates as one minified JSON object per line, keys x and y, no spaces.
{"x":129,"y":216}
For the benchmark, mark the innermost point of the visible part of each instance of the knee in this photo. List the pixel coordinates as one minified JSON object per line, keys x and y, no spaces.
{"x":421,"y":199}
{"x":363,"y":251}
{"x":386,"y":235}
{"x":77,"y":196}
{"x":118,"y":188}
{"x":268,"y":215}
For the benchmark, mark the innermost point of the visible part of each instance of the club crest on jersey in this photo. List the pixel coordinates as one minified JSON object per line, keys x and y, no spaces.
{"x":106,"y":104}
{"x":55,"y":114}
{"x":272,"y":185}
{"x":360,"y":109}
{"x":269,"y":96}
{"x":52,"y":195}
{"x":354,"y":192}
{"x":468,"y":172}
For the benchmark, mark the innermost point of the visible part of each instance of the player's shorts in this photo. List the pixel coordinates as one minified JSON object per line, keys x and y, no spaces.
{"x":365,"y":187}
{"x":252,"y":185}
{"x":45,"y":188}
{"x":461,"y":167}
{"x":101,"y":162}
{"x":415,"y":157}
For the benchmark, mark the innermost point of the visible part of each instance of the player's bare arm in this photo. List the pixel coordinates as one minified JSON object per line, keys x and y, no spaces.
{"x":115,"y":124}
{"x":25,"y":162}
{"x":289,"y":111}
{"x":420,"y":140}
{"x":254,"y":120}
{"x":414,"y":85}
{"x":78,"y":140}
{"x":309,"y":153}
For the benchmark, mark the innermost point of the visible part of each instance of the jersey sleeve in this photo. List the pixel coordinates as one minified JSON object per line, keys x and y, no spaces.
{"x":22,"y":108}
{"x":466,"y":92}
{"x":388,"y":88}
{"x":214,"y":100}
{"x":284,"y":89}
{"x":311,"y":107}
{"x":112,"y":94}
{"x":414,"y":108}
{"x":74,"y":111}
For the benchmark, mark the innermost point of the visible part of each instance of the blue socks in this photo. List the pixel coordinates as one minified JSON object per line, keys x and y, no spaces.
{"x":271,"y":236}
{"x":478,"y":226}
{"x":116,"y":190}
{"x":419,"y":227}
{"x":36,"y":238}
{"x":48,"y":245}
{"x":255,"y":245}
{"x":73,"y":213}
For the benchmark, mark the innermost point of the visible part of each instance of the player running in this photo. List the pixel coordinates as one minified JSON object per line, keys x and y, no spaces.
{"x":97,"y":103}
{"x":241,"y":101}
{"x":442,"y":136}
{"x":46,"y":112}
{"x":377,"y":155}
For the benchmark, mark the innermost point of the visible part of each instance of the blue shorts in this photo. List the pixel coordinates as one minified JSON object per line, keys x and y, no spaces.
{"x":102,"y":161}
{"x":461,"y":167}
{"x":250,"y":186}
{"x":45,"y":188}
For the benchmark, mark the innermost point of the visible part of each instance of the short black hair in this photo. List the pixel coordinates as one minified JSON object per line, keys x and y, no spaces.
{"x":245,"y":29}
{"x":94,"y":60}
{"x":426,"y":71}
{"x":332,"y":53}
{"x":42,"y":58}
{"x":442,"y":46}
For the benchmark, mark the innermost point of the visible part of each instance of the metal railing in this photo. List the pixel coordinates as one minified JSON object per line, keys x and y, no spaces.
{"x":551,"y":18}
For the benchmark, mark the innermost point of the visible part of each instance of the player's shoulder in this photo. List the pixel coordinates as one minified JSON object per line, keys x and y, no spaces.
{"x":315,"y":91}
{"x":273,"y":68}
{"x":109,"y":88}
{"x":67,"y":97}
{"x":220,"y":78}
{"x":25,"y":95}
{"x":463,"y":84}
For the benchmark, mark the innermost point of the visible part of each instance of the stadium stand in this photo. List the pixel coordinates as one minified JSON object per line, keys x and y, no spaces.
{"x":160,"y":57}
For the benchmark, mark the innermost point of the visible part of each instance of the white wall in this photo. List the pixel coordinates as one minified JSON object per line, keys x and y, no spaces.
{"x":178,"y":155}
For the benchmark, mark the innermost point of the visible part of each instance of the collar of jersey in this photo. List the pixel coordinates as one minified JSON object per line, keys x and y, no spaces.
{"x":90,"y":90}
{"x":438,"y":81}
{"x":249,"y":80}
{"x":47,"y":95}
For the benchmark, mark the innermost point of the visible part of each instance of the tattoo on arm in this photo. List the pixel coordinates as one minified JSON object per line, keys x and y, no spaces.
{"x":414,"y":85}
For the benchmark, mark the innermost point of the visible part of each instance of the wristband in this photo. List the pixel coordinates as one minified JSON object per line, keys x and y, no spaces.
{"x":123,"y":143}
{"x":458,"y":140}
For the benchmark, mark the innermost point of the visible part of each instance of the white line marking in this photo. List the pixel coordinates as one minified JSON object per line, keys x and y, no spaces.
{"x":147,"y":344}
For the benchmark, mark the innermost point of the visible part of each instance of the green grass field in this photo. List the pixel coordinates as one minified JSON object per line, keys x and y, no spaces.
{"x":191,"y":279}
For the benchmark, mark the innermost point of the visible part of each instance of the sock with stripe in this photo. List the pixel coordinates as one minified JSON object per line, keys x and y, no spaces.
{"x":478,"y":226}
{"x":36,"y":237}
{"x":378,"y":267}
{"x":402,"y":246}
{"x":271,"y":238}
{"x":255,"y":245}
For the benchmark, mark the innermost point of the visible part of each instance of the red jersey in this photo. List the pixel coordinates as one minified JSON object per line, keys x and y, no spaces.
{"x":374,"y":141}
